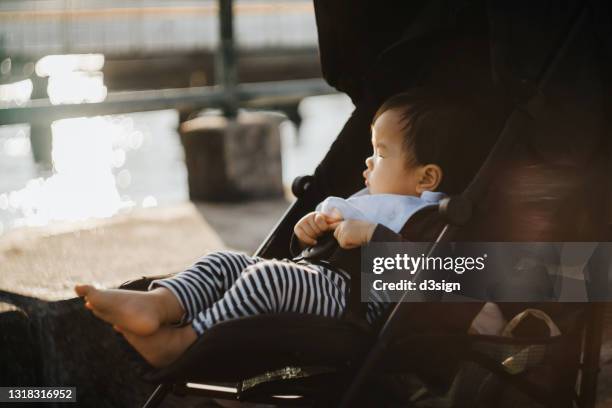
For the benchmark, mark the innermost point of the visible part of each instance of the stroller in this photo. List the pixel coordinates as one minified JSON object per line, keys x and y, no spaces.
{"x":306,"y":360}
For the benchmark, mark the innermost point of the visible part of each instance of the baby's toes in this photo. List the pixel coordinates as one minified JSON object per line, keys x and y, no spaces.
{"x":83,"y":290}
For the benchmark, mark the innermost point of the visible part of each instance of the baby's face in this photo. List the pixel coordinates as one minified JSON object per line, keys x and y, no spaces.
{"x":387,"y":170}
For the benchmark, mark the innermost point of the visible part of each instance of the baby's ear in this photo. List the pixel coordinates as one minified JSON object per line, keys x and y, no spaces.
{"x":430,"y":178}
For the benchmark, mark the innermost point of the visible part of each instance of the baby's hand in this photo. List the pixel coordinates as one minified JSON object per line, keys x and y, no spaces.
{"x":353,"y":233}
{"x":312,"y":226}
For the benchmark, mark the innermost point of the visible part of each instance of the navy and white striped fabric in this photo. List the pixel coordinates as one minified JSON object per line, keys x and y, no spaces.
{"x":226,"y":285}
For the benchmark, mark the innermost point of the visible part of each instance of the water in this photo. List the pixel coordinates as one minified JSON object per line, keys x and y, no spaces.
{"x":105,"y":165}
{"x":112,"y":164}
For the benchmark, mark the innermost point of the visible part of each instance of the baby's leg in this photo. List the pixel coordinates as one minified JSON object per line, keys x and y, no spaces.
{"x":265,"y":287}
{"x":274,"y":287}
{"x":200,"y":286}
{"x":378,"y":303}
{"x":171,"y":300}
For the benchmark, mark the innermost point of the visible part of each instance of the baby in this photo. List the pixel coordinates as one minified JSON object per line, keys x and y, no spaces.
{"x":415,"y":137}
{"x":395,"y":177}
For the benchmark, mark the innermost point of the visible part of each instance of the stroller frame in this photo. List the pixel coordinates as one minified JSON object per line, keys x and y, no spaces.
{"x":456,"y":211}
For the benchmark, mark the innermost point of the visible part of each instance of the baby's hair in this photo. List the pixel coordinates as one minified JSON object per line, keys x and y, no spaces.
{"x":449,"y":130}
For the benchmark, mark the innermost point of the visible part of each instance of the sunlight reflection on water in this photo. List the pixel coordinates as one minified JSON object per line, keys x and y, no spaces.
{"x":75,"y":78}
{"x":16,"y":93}
{"x":109,"y":164}
{"x":88,"y":154}
{"x":85,"y":152}
{"x":101,"y":166}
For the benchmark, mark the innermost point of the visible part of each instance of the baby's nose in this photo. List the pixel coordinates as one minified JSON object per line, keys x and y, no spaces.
{"x":368,"y":162}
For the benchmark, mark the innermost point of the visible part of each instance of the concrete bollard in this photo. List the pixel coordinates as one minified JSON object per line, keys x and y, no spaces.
{"x":233,"y":159}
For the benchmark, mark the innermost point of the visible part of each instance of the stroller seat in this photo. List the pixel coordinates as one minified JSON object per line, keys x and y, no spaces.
{"x":276,"y":341}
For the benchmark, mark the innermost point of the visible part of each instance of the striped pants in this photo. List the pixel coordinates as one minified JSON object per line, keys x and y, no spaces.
{"x":226,"y":285}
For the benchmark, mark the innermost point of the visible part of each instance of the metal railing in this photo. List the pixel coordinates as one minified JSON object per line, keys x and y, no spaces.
{"x":188,"y":99}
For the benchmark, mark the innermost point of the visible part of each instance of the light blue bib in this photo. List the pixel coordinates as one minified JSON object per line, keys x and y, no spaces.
{"x":390,"y":210}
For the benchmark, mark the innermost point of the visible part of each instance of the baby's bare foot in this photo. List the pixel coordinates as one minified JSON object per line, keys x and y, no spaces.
{"x":164,"y":346}
{"x":132,"y":310}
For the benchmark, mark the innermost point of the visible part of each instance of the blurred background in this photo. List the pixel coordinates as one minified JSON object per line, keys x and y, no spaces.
{"x":60,"y":165}
{"x":136,"y":136}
